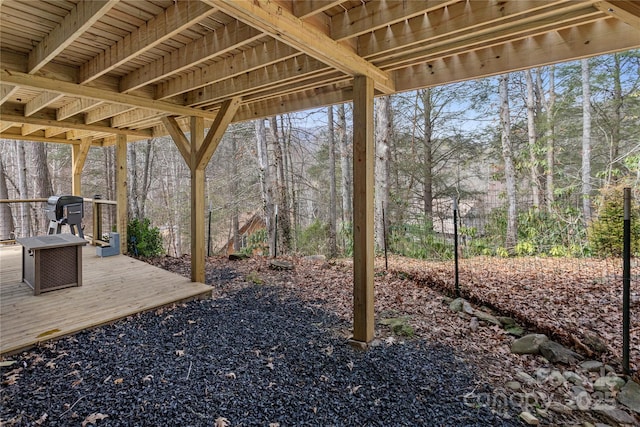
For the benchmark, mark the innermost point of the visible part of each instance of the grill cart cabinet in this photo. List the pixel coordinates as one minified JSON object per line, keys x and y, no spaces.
{"x":52,"y":262}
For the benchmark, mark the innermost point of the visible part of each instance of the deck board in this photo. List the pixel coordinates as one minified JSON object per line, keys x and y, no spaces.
{"x":113,"y":288}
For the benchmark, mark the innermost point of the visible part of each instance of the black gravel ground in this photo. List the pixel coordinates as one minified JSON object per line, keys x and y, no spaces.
{"x":257,"y":357}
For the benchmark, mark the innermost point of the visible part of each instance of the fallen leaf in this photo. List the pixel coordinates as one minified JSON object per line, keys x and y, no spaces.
{"x":6,"y":363}
{"x":42,"y":419}
{"x":353,"y":390}
{"x":222,"y":422}
{"x":191,"y":322}
{"x":93,"y":418}
{"x":231,"y":375}
{"x":179,"y":353}
{"x":270,"y":365}
{"x":350,"y":365}
{"x":147,"y":379}
{"x":118,"y":381}
{"x":47,"y":333}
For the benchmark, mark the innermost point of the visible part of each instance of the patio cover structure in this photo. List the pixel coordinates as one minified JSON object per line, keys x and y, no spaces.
{"x":108,"y":72}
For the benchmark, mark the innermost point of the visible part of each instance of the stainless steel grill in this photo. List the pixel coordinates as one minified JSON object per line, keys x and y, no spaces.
{"x":65,"y":210}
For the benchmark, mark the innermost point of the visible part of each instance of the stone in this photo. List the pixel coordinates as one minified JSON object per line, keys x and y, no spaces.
{"x":541,"y":412}
{"x":280,"y":265}
{"x":237,"y":257}
{"x":474,"y":324}
{"x":456,"y":305}
{"x":556,"y":378}
{"x":513,"y":385}
{"x":489,"y":318}
{"x":466,"y":307}
{"x":506,"y":321}
{"x":529,"y":344}
{"x":557,"y":353}
{"x":525,"y":378}
{"x":594,"y":342}
{"x":560,"y":408}
{"x":591,"y":365}
{"x":399,"y":326}
{"x":608,"y":383}
{"x":514,"y":330}
{"x":613,"y":414}
{"x":528,"y":418}
{"x":315,"y":258}
{"x":629,"y":396}
{"x":572,"y":377}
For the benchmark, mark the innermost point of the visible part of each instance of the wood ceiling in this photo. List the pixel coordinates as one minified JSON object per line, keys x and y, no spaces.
{"x":83,"y":71}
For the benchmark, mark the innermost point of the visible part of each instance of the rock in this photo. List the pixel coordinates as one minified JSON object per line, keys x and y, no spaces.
{"x":489,"y":318}
{"x":466,"y":307}
{"x":446,"y":300}
{"x":237,"y":257}
{"x":275,"y":264}
{"x":542,"y":412}
{"x":513,"y":385}
{"x":556,"y":378}
{"x":598,"y":425}
{"x":528,"y":418}
{"x":474,"y":324}
{"x":608,"y":383}
{"x":525,"y":378}
{"x":560,"y":408}
{"x":399,"y":326}
{"x":315,"y":258}
{"x":614,"y":414}
{"x":515,"y":330}
{"x":594,"y":342}
{"x":529,"y":344}
{"x":456,"y":305}
{"x":506,"y":321}
{"x":572,"y":377}
{"x":629,"y":396}
{"x":591,"y":365}
{"x":557,"y":353}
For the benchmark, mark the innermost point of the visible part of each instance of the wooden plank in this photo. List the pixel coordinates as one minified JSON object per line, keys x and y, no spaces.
{"x":74,"y":107}
{"x":304,"y":9}
{"x":105,"y":111}
{"x":81,"y":17}
{"x":197,"y":202}
{"x":363,"y":186}
{"x":284,"y":26}
{"x":176,"y":18}
{"x":214,"y":44}
{"x":179,"y":138}
{"x":41,"y":101}
{"x":72,"y":89}
{"x":216,"y":131}
{"x":121,"y":191}
{"x":6,"y":91}
{"x":626,"y":11}
{"x":112,"y":289}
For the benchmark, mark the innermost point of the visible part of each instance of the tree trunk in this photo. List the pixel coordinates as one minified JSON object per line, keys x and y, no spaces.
{"x":284,"y":214}
{"x":427,"y":143}
{"x":146,"y":176}
{"x":265,"y":182}
{"x":333,"y":249}
{"x":550,"y":105}
{"x":233,"y":181}
{"x":509,"y":168}
{"x":381,"y":194}
{"x":533,"y":139}
{"x":42,"y":179}
{"x":7,"y":227}
{"x":133,"y":177}
{"x":25,"y":208}
{"x":291,"y":181}
{"x":586,"y":142}
{"x":616,"y":125}
{"x":345,"y":166}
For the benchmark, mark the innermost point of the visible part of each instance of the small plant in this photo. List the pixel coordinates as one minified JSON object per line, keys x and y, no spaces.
{"x":254,"y":278}
{"x":143,"y":239}
{"x":256,"y":242}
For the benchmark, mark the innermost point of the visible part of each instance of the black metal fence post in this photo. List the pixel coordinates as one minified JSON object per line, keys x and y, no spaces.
{"x":626,"y":279}
{"x":455,"y":245}
{"x":209,"y":238}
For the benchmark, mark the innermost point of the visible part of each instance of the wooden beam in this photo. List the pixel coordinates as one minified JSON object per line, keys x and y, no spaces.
{"x":197,"y":203}
{"x":27,"y":128}
{"x":41,"y":101}
{"x":216,"y":131}
{"x":255,"y":58}
{"x":284,"y":26}
{"x":597,"y":38}
{"x":363,"y":248}
{"x":74,"y":107}
{"x":371,"y":16}
{"x":105,"y":111}
{"x":15,"y":113}
{"x":179,"y":138}
{"x":54,"y":131}
{"x":72,"y":89}
{"x":307,"y":8}
{"x":82,"y":16}
{"x":176,"y":18}
{"x":214,"y":44}
{"x":121,"y":191}
{"x":626,"y":11}
{"x":79,"y":154}
{"x":6,"y":91}
{"x":5,"y":125}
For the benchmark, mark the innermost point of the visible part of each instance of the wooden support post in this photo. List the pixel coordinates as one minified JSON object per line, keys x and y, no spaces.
{"x":78,"y":157}
{"x":363,"y":163}
{"x":121,"y":190}
{"x":197,"y":203}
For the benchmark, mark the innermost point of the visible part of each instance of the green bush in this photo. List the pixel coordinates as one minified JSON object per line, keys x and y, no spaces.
{"x":605,"y":232}
{"x":143,"y":239}
{"x":314,"y":239}
{"x":419,"y":240}
{"x":257,"y":242}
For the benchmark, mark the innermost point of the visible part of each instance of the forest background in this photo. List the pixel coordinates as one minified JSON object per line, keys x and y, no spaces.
{"x":534,"y":161}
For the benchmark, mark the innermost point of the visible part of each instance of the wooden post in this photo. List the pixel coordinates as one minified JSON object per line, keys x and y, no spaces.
{"x":78,"y":157}
{"x":363,"y":163}
{"x":121,"y":190}
{"x":197,"y":203}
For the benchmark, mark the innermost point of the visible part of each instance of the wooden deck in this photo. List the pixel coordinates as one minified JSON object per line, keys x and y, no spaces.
{"x":113,"y":288}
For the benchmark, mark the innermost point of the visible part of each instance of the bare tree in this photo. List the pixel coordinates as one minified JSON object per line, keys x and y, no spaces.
{"x":284,"y":214}
{"x":333,"y":249}
{"x":509,"y":168}
{"x":533,"y":140}
{"x":586,"y":142}
{"x":345,"y":166}
{"x":7,"y":227}
{"x":265,"y":182}
{"x":25,"y":208}
{"x":550,"y":105}
{"x":383,"y":138}
{"x":427,"y":142}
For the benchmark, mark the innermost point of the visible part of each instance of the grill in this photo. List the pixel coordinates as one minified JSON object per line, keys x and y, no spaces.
{"x":65,"y":210}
